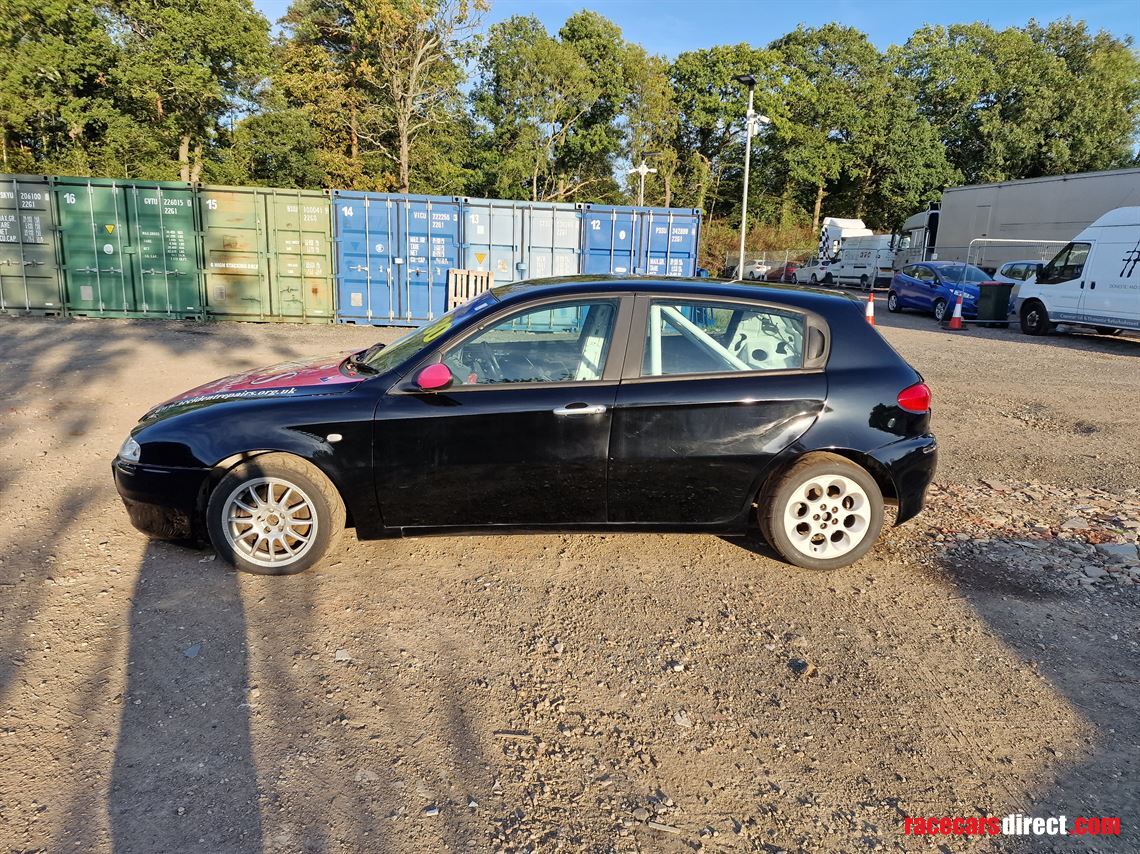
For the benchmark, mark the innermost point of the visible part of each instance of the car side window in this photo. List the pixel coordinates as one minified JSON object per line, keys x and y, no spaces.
{"x":694,"y":337}
{"x":924,"y":274}
{"x":1068,"y":264}
{"x":908,"y":271}
{"x":565,"y":342}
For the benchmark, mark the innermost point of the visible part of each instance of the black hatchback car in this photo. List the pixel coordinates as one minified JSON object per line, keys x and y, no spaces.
{"x":578,"y":404}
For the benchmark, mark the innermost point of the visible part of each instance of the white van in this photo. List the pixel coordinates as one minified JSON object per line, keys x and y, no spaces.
{"x":1093,"y":281}
{"x":865,"y":261}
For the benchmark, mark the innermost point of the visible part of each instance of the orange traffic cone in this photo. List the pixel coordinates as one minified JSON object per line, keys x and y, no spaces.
{"x":956,"y":317}
{"x":870,"y":312}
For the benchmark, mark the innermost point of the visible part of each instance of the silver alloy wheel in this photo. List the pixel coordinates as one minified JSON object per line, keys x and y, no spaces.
{"x":269,"y":522}
{"x":827,"y":516}
{"x":940,"y":310}
{"x":892,"y":301}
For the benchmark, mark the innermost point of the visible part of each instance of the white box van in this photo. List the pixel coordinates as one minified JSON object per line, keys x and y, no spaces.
{"x":865,"y":261}
{"x":1093,"y":281}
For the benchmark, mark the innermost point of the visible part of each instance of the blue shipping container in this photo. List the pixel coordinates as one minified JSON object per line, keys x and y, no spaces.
{"x":393,"y":254}
{"x":521,"y":240}
{"x":640,"y":241}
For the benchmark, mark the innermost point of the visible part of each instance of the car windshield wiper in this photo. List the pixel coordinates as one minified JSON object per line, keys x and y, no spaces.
{"x":357,"y":360}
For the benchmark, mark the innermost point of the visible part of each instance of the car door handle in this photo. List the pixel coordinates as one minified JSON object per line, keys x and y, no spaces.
{"x":580,"y":409}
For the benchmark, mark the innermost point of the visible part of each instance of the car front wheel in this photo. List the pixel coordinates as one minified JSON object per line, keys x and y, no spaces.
{"x":823,"y":513}
{"x":939,"y":310}
{"x":1035,"y":319}
{"x":893,"y":302}
{"x":274,"y":515}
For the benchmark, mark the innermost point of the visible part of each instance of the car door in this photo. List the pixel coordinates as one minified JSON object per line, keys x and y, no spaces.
{"x":1063,"y":282}
{"x":1112,"y":281}
{"x":907,"y":287}
{"x":925,"y":287}
{"x":712,"y":390}
{"x":521,"y":436}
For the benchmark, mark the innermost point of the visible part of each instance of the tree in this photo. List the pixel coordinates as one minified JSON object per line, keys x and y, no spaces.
{"x":652,"y":123}
{"x":56,"y":100}
{"x":413,"y":51}
{"x":186,"y":64}
{"x":1020,"y":103}
{"x":533,"y":91}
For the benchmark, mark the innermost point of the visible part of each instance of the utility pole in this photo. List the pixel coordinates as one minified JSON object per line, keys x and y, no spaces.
{"x":641,"y":170}
{"x":752,"y":125}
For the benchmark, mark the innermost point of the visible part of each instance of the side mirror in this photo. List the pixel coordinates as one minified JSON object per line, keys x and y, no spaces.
{"x":434,"y":377}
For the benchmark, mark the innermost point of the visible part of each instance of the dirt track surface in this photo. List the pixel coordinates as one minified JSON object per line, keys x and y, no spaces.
{"x":567,"y":693}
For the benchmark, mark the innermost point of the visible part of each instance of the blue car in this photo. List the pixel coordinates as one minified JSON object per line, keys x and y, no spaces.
{"x":934,"y":286}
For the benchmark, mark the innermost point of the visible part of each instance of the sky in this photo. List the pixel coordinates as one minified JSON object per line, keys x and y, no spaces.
{"x":671,"y":26}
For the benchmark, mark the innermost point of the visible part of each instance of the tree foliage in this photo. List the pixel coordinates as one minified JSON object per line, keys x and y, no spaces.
{"x":414,"y":95}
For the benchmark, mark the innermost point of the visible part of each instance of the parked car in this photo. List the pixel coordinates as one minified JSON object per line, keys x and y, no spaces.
{"x":783,"y":272}
{"x":585,"y":403}
{"x":1092,"y":281}
{"x":813,"y":272}
{"x":934,"y":286}
{"x":756,"y":269}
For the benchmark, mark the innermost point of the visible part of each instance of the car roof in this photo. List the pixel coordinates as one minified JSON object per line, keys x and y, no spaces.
{"x":798,"y":295}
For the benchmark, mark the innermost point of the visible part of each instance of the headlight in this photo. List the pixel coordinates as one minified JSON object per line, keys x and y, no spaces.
{"x":130,"y":450}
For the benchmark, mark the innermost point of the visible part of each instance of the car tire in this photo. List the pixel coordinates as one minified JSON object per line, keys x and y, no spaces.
{"x":1107,"y":330}
{"x":1035,"y":318}
{"x":940,"y":306}
{"x":828,"y":279}
{"x":824,"y":512}
{"x":893,"y":302}
{"x":292,"y":507}
{"x":752,"y":275}
{"x":814,"y":280}
{"x":864,"y":283}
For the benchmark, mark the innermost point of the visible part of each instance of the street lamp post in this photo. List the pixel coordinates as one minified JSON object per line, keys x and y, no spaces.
{"x":641,"y":170}
{"x":751,"y":127}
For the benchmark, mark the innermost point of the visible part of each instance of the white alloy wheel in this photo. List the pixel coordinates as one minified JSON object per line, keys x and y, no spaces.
{"x":270,"y":522}
{"x":827,"y":516}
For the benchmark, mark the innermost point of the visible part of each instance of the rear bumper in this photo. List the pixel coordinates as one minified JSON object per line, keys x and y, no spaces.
{"x":911,"y":464}
{"x":162,"y":502}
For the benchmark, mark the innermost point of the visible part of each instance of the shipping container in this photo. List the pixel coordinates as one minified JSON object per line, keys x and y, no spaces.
{"x":393,"y":254}
{"x":128,"y":248}
{"x":521,"y":240}
{"x":267,"y":254}
{"x":29,"y":262}
{"x":626,"y":240}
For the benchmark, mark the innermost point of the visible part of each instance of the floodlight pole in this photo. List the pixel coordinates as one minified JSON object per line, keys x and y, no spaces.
{"x":751,"y":126}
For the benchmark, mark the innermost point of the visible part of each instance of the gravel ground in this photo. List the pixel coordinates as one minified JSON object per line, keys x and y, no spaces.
{"x":569,"y":693}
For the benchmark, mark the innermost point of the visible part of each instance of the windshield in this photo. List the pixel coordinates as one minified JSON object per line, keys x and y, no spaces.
{"x":963,"y":273}
{"x":411,"y":345}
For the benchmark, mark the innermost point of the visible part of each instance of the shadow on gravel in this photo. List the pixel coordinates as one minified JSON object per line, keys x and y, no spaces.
{"x":1084,"y":645}
{"x":184,"y":777}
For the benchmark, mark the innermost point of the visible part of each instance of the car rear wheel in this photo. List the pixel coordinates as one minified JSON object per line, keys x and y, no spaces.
{"x":1035,"y":319}
{"x":823,"y":513}
{"x":864,"y":282}
{"x":893,"y":302}
{"x":752,"y":275}
{"x":274,"y":515}
{"x":814,"y":280}
{"x":940,"y":310}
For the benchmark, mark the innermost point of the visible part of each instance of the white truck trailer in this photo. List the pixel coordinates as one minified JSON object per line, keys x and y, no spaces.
{"x":989,"y":224}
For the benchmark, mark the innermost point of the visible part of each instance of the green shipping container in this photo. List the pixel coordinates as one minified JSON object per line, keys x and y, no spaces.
{"x":29,"y":265}
{"x":129,"y":249}
{"x":267,"y":253}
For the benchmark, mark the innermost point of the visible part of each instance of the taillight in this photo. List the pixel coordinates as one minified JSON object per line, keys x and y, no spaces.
{"x":915,"y":398}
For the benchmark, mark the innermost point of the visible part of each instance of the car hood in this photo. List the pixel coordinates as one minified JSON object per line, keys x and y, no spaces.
{"x":287,"y":379}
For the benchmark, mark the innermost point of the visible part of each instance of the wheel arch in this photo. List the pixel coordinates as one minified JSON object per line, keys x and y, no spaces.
{"x":865,"y":461}
{"x":223,"y":467}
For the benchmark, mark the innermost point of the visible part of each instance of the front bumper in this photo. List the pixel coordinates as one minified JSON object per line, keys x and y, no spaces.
{"x":911,"y":464}
{"x":162,"y":502}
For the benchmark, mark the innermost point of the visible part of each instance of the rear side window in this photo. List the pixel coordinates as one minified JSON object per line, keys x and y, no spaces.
{"x":692,"y":337}
{"x":1067,"y":265}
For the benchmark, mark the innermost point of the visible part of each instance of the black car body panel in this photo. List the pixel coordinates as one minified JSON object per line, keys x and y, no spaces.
{"x":677,"y":453}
